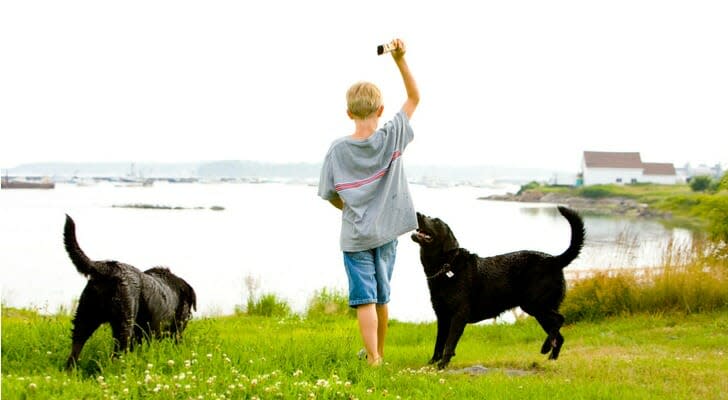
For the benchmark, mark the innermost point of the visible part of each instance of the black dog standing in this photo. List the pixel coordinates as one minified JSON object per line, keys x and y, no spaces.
{"x":136,"y":304}
{"x":466,"y":288}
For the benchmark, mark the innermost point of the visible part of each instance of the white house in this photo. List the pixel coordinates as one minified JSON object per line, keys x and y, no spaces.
{"x":602,"y":167}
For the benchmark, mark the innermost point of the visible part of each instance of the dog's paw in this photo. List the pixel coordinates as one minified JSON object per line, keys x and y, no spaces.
{"x":546,"y":347}
{"x":442,"y":364}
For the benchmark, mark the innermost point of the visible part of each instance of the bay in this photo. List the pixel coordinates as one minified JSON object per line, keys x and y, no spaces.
{"x":281,"y":236}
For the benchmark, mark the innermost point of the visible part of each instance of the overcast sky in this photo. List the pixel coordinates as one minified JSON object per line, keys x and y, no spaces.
{"x":515,"y":83}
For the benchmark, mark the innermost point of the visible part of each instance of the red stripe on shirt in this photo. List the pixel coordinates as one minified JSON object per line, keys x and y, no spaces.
{"x":353,"y":185}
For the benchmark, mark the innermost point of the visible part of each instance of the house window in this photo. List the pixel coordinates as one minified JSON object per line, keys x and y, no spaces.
{"x":633,"y":180}
{"x":619,"y":180}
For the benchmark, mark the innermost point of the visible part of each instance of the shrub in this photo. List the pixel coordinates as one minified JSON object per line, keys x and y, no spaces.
{"x":723,"y":185}
{"x":268,"y":305}
{"x":594,"y":192}
{"x":700,"y":183}
{"x":328,"y":302}
{"x":529,"y":186}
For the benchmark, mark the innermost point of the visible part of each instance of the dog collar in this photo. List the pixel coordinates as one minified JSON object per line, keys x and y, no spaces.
{"x":445,"y":270}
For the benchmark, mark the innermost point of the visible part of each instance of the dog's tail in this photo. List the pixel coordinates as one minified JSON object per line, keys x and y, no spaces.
{"x":83,"y":264}
{"x":577,"y":237}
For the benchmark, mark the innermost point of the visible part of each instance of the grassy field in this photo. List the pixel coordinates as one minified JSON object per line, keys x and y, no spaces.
{"x":631,"y":334}
{"x":675,"y":356}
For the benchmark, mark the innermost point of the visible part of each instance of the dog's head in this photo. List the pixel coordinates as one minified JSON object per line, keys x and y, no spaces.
{"x":187,"y":296}
{"x":433,"y":235}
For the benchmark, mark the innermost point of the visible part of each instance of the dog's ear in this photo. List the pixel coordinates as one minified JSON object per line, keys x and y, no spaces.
{"x":190,"y":295}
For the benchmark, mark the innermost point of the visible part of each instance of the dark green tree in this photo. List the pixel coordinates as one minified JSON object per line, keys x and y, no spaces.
{"x":700,"y":183}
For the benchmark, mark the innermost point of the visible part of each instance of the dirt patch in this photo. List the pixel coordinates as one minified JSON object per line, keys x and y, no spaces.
{"x":477,"y":370}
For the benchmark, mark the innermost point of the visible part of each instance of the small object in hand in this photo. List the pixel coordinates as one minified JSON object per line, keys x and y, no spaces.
{"x":385,"y":48}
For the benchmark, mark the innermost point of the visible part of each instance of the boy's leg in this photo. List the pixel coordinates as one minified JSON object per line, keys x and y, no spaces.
{"x":361,"y":271}
{"x":382,"y":322}
{"x":384,"y":257}
{"x":369,"y":328}
{"x":369,"y":273}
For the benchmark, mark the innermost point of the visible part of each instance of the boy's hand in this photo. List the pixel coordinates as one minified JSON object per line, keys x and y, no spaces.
{"x":399,"y":49}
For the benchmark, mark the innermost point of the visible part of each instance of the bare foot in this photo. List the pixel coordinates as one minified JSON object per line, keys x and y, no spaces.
{"x":375,"y":362}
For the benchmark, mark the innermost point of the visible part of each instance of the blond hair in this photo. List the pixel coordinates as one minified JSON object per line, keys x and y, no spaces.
{"x":363,"y":99}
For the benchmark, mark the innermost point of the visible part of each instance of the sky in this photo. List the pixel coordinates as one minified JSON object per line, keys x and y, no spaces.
{"x":511,"y":83}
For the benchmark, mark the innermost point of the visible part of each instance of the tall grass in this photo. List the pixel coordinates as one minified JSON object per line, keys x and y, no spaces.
{"x":690,"y":280}
{"x":265,"y":305}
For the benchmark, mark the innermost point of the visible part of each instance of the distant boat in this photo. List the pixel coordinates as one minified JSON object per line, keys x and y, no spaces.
{"x":134,"y":182}
{"x":26,"y":184}
{"x":132,"y":179}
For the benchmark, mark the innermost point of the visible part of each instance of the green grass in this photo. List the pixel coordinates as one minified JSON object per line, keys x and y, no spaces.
{"x":643,"y":356}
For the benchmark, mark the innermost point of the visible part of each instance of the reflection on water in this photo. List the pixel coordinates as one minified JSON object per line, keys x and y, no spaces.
{"x":621,"y":242}
{"x":283,"y":236}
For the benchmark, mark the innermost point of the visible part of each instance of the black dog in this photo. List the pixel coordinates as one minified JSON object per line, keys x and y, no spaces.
{"x":466,"y":288}
{"x":136,"y":304}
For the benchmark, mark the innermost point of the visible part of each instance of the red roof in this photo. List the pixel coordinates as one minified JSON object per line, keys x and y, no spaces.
{"x":606,"y":159}
{"x":659,"y":169}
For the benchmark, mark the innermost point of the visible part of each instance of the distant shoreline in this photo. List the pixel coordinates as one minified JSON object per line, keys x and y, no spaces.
{"x":603,"y":206}
{"x":444,"y":175}
{"x":165,"y":207}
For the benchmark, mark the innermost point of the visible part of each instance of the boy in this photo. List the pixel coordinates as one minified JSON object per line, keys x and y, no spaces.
{"x":363,"y":176}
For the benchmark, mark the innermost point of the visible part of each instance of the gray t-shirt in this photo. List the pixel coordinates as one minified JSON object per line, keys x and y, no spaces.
{"x":369,"y":177}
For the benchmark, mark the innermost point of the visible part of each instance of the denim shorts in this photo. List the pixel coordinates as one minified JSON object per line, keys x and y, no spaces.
{"x":369,"y":273}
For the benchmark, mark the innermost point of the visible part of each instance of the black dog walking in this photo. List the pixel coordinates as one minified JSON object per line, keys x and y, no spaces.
{"x":466,"y":288}
{"x":137,"y":304}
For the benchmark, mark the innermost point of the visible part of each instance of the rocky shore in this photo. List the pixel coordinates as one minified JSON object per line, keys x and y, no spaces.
{"x":593,"y":206}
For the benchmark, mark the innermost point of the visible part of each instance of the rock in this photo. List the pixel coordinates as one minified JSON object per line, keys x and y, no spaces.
{"x":599,"y":206}
{"x":481,"y":370}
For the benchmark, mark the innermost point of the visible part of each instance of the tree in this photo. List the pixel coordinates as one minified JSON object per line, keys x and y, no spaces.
{"x":700,"y":183}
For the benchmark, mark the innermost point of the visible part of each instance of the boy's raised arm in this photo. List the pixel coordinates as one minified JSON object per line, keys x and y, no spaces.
{"x":413,"y":94}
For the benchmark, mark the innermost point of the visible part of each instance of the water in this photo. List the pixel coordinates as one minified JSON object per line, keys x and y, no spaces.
{"x":281,"y":235}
